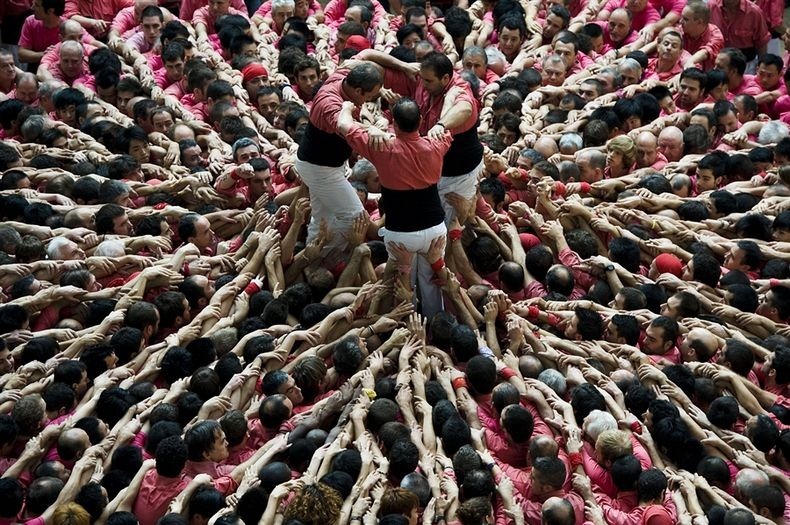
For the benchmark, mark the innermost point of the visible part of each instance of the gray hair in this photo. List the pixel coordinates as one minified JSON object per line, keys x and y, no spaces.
{"x":598,"y":422}
{"x":362,"y":169}
{"x":48,"y":87}
{"x":279,"y":4}
{"x":55,"y":246}
{"x":224,"y":340}
{"x":629,"y":64}
{"x":33,"y":127}
{"x":573,"y":140}
{"x":476,"y":51}
{"x":773,"y":132}
{"x":554,"y":380}
{"x":112,"y":248}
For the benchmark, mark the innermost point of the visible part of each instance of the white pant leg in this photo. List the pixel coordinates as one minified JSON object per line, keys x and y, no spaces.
{"x":419,"y":243}
{"x":464,"y":185}
{"x":331,"y":198}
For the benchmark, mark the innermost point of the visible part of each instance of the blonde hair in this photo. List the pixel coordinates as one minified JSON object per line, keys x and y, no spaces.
{"x":624,"y":145}
{"x":611,"y":444}
{"x":70,"y":514}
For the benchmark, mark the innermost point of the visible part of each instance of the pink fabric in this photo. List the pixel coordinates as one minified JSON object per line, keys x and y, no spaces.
{"x":647,"y":16}
{"x":202,"y":16}
{"x":188,"y":7}
{"x":155,"y":494}
{"x":664,"y":7}
{"x":749,"y":86}
{"x":712,"y":41}
{"x":125,"y":22}
{"x":746,"y":28}
{"x":36,"y":37}
{"x":266,"y":8}
{"x":335,"y":12}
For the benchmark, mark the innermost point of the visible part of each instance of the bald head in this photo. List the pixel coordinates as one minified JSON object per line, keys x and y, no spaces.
{"x":546,"y":146}
{"x":71,"y":48}
{"x":646,"y":149}
{"x":670,"y":143}
{"x":699,"y":345}
{"x":71,"y":30}
{"x":72,"y":443}
{"x":542,"y":447}
{"x":746,"y":481}
{"x":27,"y":88}
{"x":557,"y":511}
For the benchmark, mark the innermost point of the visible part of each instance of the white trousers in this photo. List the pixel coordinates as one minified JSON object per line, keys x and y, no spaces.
{"x":464,"y":185}
{"x":418,"y":243}
{"x":331,"y":198}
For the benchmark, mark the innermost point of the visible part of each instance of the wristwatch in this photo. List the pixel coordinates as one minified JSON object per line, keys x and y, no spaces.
{"x":610,"y":267}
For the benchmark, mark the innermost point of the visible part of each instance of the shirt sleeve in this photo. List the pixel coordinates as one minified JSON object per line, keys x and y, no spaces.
{"x":26,"y":36}
{"x":71,"y":9}
{"x":399,"y":82}
{"x":334,"y":11}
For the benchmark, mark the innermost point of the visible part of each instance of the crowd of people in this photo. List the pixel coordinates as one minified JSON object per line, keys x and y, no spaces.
{"x":396,"y":263}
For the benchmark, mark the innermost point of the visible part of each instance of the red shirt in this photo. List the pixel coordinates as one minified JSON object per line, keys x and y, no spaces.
{"x":748,"y":86}
{"x":406,"y":163}
{"x":156,"y":493}
{"x":711,"y":41}
{"x":646,"y":16}
{"x":104,"y":10}
{"x":202,"y":16}
{"x":335,"y":12}
{"x":609,"y":44}
{"x":744,"y":29}
{"x":430,"y":106}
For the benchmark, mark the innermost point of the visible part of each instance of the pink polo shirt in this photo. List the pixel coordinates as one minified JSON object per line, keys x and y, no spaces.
{"x":647,"y":16}
{"x":744,"y":29}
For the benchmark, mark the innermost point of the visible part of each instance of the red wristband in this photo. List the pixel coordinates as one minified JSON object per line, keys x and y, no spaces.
{"x":438,"y":265}
{"x":552,"y":319}
{"x":533,"y":312}
{"x":523,"y":173}
{"x":559,"y":189}
{"x":585,"y":187}
{"x":454,"y":235}
{"x":774,"y":282}
{"x":252,"y":288}
{"x":575,"y":459}
{"x":458,"y":382}
{"x":507,"y":373}
{"x":636,"y":427}
{"x":234,"y":176}
{"x":185,"y":269}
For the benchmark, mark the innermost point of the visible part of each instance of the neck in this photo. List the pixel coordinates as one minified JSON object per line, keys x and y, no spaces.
{"x":51,"y":21}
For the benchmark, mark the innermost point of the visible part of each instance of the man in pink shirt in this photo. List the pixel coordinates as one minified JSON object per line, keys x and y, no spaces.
{"x":647,"y":155}
{"x":742,"y":24}
{"x":204,"y":18}
{"x":127,"y":22}
{"x":71,"y":66}
{"x":151,"y":21}
{"x":173,"y":72}
{"x":701,"y":39}
{"x":618,"y":32}
{"x":642,"y":12}
{"x":161,"y":485}
{"x":188,"y":7}
{"x":41,"y":30}
{"x":733,"y":62}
